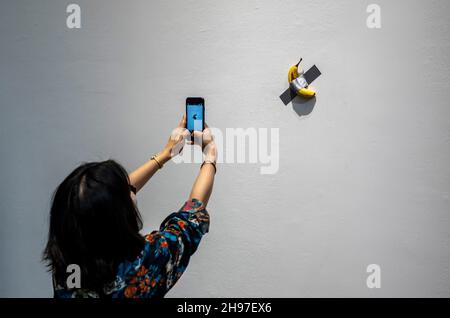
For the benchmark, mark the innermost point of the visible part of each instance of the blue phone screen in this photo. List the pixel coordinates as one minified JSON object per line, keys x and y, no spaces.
{"x":194,"y":117}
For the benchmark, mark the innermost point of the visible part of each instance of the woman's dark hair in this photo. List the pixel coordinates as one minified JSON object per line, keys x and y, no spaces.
{"x":94,"y":223}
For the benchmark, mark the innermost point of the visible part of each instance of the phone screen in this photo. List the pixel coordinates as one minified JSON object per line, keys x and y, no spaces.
{"x":195,"y":113}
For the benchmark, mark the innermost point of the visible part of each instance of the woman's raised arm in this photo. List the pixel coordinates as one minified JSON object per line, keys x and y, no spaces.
{"x":203,"y":185}
{"x":140,"y":176}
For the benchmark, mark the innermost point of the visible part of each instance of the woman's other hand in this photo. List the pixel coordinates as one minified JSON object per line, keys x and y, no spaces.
{"x":205,"y":138}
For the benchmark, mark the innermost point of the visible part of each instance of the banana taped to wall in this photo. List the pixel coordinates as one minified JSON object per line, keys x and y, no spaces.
{"x":299,"y":83}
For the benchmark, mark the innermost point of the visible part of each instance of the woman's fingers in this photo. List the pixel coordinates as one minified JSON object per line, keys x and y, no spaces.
{"x":176,"y":133}
{"x":179,"y":133}
{"x":182,"y":123}
{"x":179,"y":137}
{"x":198,"y":136}
{"x":208,"y":135}
{"x":186,"y":133}
{"x":186,"y":136}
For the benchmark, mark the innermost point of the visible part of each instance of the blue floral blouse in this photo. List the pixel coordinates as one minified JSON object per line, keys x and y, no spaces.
{"x":162,"y":261}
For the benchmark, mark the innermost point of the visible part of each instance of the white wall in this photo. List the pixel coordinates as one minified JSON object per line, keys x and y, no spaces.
{"x":363,"y":178}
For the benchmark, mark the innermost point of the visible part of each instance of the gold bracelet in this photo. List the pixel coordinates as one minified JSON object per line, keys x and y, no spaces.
{"x":157,"y":161}
{"x":213,"y":164}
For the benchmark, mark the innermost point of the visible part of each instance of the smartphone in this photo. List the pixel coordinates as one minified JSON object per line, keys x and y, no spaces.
{"x":195,"y":114}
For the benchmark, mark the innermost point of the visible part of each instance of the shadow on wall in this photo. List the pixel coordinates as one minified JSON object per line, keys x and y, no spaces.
{"x":303,"y":106}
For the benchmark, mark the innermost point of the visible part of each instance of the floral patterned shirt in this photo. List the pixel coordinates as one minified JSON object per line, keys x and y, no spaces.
{"x":162,"y":261}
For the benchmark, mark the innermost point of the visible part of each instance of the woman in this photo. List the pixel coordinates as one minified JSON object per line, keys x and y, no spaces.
{"x":95,"y":224}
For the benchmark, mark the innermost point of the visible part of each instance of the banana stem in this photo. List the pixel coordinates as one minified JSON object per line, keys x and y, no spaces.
{"x":299,"y":62}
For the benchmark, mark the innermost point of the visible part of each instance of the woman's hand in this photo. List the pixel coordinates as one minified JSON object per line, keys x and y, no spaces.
{"x":205,"y":138}
{"x":177,"y":139}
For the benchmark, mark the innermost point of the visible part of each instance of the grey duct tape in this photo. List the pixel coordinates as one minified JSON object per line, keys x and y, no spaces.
{"x":287,"y":96}
{"x":310,"y":76}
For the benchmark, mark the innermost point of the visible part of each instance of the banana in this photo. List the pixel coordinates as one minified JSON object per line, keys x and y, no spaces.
{"x":306,"y":92}
{"x":293,"y":72}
